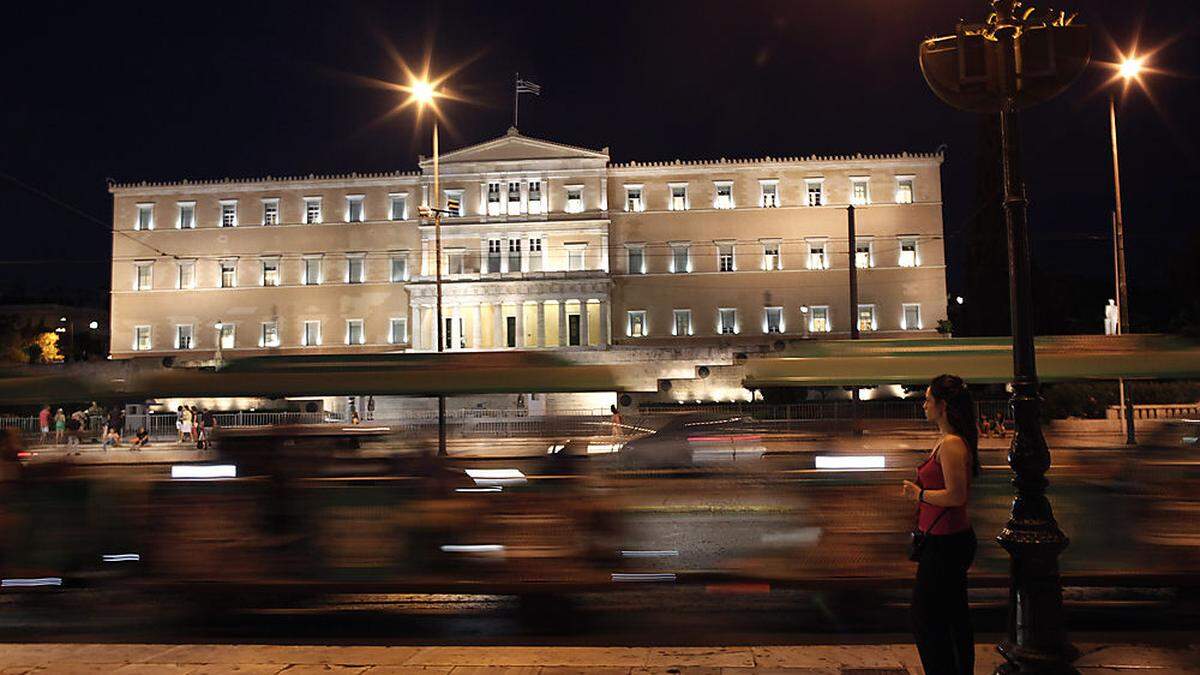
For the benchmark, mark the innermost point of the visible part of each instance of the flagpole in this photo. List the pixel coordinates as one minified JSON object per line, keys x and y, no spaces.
{"x":516,"y":98}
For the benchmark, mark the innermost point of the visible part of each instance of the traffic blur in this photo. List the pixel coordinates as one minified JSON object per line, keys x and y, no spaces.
{"x":320,"y":510}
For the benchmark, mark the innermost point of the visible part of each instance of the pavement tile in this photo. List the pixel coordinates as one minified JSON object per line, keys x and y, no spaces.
{"x":827,"y":656}
{"x":409,"y":669}
{"x":680,"y":670}
{"x":709,"y":657}
{"x":237,"y":668}
{"x":1098,"y":658}
{"x":17,"y":670}
{"x":322,"y":668}
{"x":288,"y":654}
{"x":781,"y":671}
{"x":155,"y":669}
{"x":582,"y":670}
{"x":627,"y":657}
{"x":74,"y":669}
{"x":496,"y":670}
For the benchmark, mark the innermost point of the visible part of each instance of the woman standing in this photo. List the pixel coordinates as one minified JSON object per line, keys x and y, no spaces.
{"x":941,"y":618}
{"x":60,"y":425}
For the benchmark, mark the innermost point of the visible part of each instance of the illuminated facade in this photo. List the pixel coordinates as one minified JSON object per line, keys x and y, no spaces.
{"x":555,"y":247}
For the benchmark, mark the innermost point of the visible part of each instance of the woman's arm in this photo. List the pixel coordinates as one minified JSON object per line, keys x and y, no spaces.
{"x":955,"y":459}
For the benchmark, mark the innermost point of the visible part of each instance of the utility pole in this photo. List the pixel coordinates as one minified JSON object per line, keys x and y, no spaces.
{"x":855,"y":423}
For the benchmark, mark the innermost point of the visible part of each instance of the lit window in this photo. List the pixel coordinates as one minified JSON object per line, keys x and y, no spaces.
{"x":574,"y":199}
{"x":144,"y":279}
{"x":398,"y":331}
{"x":456,"y":262}
{"x":682,"y":324}
{"x":681,"y":257}
{"x":636,"y":324}
{"x":817,"y":259}
{"x":727,"y":321}
{"x":904,"y":189}
{"x":773,"y":320}
{"x":535,"y":197}
{"x":312,"y":333}
{"x":866,"y":317}
{"x":575,"y":257}
{"x":535,"y":254}
{"x":141,"y":338}
{"x":814,"y":191}
{"x":312,"y":271}
{"x":679,"y":197}
{"x":355,"y":269}
{"x":637,"y":258}
{"x":493,"y":256}
{"x":725,"y":259}
{"x":908,"y":252}
{"x":227,"y":336}
{"x":228,"y":273}
{"x":397,"y":206}
{"x":187,"y":216}
{"x":493,"y":199}
{"x":399,"y":268}
{"x":354,"y":209}
{"x":818,"y":319}
{"x":229,"y":213}
{"x":183,"y":337}
{"x":633,"y":198}
{"x":354,"y":332}
{"x":514,"y":198}
{"x":514,"y":254}
{"x":771,"y":260}
{"x":145,"y":217}
{"x":860,"y":190}
{"x":454,"y":202}
{"x":312,"y":210}
{"x":270,"y":272}
{"x":187,"y":274}
{"x":724,"y":194}
{"x":270,"y":334}
{"x":270,"y":212}
{"x":864,"y":254}
{"x":768,"y":193}
{"x":911,"y":320}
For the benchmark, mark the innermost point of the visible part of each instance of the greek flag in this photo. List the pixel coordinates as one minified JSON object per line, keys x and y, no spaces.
{"x":527,"y":87}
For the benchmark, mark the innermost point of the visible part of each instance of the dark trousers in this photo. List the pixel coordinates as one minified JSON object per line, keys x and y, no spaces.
{"x":940,"y":615}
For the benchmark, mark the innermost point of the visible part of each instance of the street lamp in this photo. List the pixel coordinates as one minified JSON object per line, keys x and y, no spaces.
{"x":1017,"y":58}
{"x":1129,"y":70}
{"x":423,"y":93}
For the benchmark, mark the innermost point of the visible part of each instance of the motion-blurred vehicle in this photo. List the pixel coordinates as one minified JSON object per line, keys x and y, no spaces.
{"x":693,"y":441}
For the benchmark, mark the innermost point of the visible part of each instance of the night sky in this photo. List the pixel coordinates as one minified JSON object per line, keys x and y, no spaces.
{"x":165,"y":91}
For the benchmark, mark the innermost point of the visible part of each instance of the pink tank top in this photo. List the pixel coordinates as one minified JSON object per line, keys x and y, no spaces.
{"x":930,"y":477}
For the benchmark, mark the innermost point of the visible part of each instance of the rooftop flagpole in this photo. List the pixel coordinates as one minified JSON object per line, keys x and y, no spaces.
{"x":516,"y":98}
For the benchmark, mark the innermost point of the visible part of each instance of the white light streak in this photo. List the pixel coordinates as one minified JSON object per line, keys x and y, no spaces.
{"x":641,"y":577}
{"x":25,"y":583}
{"x":856,"y":462}
{"x":204,"y":471}
{"x":121,"y":557}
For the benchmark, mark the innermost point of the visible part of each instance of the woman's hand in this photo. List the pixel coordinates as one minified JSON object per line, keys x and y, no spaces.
{"x":911,"y":490}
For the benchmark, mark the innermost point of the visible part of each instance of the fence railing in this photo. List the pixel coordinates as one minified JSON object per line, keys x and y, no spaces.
{"x":1159,"y":411}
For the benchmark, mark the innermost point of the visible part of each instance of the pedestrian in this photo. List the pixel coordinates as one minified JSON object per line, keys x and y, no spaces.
{"x":370,"y":408}
{"x":44,"y":423}
{"x":74,"y":425}
{"x":185,"y":424}
{"x":616,"y":420}
{"x":116,"y":425}
{"x":209,"y":426}
{"x":141,"y":438}
{"x":60,"y":426}
{"x":354,"y":418}
{"x":944,"y":544}
{"x":179,"y":424}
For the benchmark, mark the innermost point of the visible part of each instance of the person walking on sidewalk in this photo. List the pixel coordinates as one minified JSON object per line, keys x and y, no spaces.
{"x":44,"y":423}
{"x":60,"y":426}
{"x":940,"y":614}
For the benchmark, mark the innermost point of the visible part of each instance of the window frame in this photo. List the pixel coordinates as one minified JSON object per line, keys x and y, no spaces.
{"x":567,"y":208}
{"x":874,"y":317}
{"x":541,"y":196}
{"x":226,"y":210}
{"x":402,"y":258}
{"x":808,"y":192}
{"x":911,"y":179}
{"x":640,"y":249}
{"x":812,"y":319}
{"x":270,"y":205}
{"x":233,"y":270}
{"x":306,"y":279}
{"x":855,"y":182}
{"x":362,"y":331}
{"x":144,"y":208}
{"x":393,"y":198}
{"x":402,"y":339}
{"x":262,"y":334}
{"x":685,"y":203}
{"x":232,"y":328}
{"x":630,"y":315}
{"x":869,"y":242}
{"x":138,"y":268}
{"x":916,"y":245}
{"x":264,"y":263}
{"x":359,"y":201}
{"x":576,"y":250}
{"x":767,"y":311}
{"x":361,"y":258}
{"x":721,"y":313}
{"x":676,"y":314}
{"x":180,"y":209}
{"x":717,"y":201}
{"x":180,"y":265}
{"x":767,"y":257}
{"x":904,"y":307}
{"x":676,"y":247}
{"x":309,"y":202}
{"x":824,"y":261}
{"x":723,"y":257}
{"x":635,"y":204}
{"x":448,"y":194}
{"x":304,"y":334}
{"x":137,"y":338}
{"x":763,"y":202}
{"x":191,"y":336}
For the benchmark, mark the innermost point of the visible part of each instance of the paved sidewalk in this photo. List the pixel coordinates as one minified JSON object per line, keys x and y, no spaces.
{"x":297,"y":660}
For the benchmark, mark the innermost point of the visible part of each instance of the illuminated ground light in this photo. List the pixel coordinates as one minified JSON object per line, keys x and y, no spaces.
{"x":121,"y":557}
{"x":852,"y":462}
{"x":26,"y":583}
{"x":472,"y":548}
{"x":490,"y":477}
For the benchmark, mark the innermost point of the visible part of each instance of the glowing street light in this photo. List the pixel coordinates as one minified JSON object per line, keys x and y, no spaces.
{"x":1131,"y":67}
{"x":422,"y":92}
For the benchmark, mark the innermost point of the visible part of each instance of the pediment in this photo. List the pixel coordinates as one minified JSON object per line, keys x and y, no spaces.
{"x":514,"y":147}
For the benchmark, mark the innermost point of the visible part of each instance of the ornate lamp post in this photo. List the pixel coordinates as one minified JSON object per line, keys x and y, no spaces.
{"x":1017,"y":58}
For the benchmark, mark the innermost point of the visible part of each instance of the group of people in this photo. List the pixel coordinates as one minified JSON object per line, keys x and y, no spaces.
{"x":195,"y":425}
{"x":59,"y":427}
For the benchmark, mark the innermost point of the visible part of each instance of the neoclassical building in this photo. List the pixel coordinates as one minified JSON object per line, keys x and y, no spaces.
{"x":552,"y":247}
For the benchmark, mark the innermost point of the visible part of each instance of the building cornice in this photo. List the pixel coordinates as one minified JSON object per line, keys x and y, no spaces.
{"x":635,"y":167}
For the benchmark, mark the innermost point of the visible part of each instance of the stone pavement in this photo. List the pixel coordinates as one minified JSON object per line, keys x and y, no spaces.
{"x":297,"y":660}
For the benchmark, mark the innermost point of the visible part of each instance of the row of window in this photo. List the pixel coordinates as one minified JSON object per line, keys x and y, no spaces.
{"x":226,"y":334}
{"x":816,"y":258}
{"x":519,"y":198}
{"x":768,"y":193}
{"x":311,"y":271}
{"x":815,"y":319}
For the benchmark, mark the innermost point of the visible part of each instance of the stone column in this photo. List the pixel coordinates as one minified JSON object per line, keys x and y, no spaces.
{"x":483,"y":196}
{"x":604,"y":252}
{"x":483,"y":253}
{"x":426,"y":268}
{"x":414,"y":313}
{"x":583,"y":322}
{"x":541,"y":324}
{"x":562,"y":323}
{"x":604,"y":193}
{"x":504,"y":254}
{"x":605,"y":324}
{"x":477,"y":329}
{"x":455,"y":326}
{"x":520,"y":324}
{"x":498,"y":325}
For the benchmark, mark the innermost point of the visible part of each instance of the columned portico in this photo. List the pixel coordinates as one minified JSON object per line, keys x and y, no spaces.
{"x":509,"y":303}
